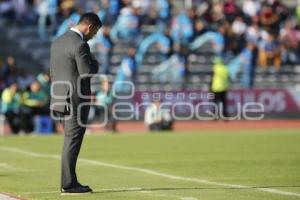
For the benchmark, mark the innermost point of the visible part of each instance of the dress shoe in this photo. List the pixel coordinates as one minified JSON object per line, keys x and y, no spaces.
{"x":76,"y":190}
{"x":85,"y":186}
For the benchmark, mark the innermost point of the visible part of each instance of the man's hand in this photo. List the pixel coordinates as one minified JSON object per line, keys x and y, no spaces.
{"x":95,"y":61}
{"x":93,"y":57}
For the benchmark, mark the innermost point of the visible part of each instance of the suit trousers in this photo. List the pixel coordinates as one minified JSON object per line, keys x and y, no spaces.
{"x":73,"y":138}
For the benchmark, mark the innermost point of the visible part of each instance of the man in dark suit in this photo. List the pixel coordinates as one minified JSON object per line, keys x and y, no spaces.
{"x":71,"y":62}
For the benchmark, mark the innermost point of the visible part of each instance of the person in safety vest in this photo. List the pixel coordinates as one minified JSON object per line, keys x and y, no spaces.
{"x":219,"y":86}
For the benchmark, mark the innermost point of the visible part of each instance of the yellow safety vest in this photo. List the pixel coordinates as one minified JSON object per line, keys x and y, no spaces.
{"x":220,"y":79}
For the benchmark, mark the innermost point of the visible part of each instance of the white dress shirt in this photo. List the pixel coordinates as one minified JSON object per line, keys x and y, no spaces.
{"x":77,"y":31}
{"x":154,"y":114}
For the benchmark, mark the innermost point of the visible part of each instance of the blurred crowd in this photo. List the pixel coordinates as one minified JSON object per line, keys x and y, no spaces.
{"x":23,"y":96}
{"x":266,"y":28}
{"x":263,"y":33}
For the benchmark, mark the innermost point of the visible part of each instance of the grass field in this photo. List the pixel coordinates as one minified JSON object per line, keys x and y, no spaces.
{"x":231,"y":165}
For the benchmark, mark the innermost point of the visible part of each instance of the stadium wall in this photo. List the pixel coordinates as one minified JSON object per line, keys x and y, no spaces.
{"x":276,"y":102}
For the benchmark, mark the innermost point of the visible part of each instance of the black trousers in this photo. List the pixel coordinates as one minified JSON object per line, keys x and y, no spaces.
{"x":73,"y":137}
{"x":27,"y":117}
{"x":111,"y":124}
{"x":161,"y":126}
{"x":14,"y":121}
{"x":220,"y":100}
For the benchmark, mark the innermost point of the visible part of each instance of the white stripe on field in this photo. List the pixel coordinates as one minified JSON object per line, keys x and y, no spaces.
{"x":168,"y":195}
{"x":141,"y":190}
{"x":188,"y":198}
{"x":152,"y":172}
{"x":6,"y":197}
{"x":13,"y":168}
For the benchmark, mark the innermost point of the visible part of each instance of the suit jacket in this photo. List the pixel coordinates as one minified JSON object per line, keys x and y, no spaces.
{"x":70,"y":59}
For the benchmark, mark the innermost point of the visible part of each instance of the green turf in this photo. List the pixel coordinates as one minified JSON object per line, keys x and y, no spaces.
{"x":264,"y":159}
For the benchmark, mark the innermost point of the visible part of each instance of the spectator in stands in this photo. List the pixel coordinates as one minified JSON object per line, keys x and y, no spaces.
{"x":219,"y":86}
{"x":24,"y":79}
{"x":239,"y":28}
{"x":253,"y":33}
{"x":165,"y":45}
{"x":44,"y":80}
{"x":269,"y":19}
{"x":164,"y":8}
{"x":158,"y":118}
{"x":216,"y":38}
{"x":10,"y":107}
{"x":100,"y":12}
{"x":143,"y":6}
{"x":251,"y":9}
{"x":218,"y":43}
{"x":35,"y":102}
{"x":7,"y":9}
{"x":229,"y":25}
{"x":71,"y":20}
{"x":127,"y":26}
{"x":217,"y":12}
{"x":127,"y":72}
{"x":199,"y":29}
{"x":231,"y":10}
{"x":112,"y":9}
{"x":105,"y":100}
{"x":290,"y":38}
{"x":280,"y":10}
{"x":46,"y":8}
{"x":269,"y":53}
{"x":152,"y":18}
{"x":9,"y":71}
{"x":182,"y":28}
{"x":182,"y":66}
{"x":66,"y":7}
{"x":104,"y":46}
{"x":22,"y":13}
{"x":248,"y":59}
{"x":192,"y":13}
{"x":204,"y":10}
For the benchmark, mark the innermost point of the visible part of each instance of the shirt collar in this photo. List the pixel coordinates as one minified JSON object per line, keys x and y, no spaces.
{"x":77,"y":31}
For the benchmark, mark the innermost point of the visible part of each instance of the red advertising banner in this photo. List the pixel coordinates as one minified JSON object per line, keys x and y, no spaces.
{"x":273,"y":100}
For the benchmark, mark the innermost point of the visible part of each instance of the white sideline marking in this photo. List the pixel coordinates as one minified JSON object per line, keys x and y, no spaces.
{"x":168,"y":195}
{"x":188,"y":198}
{"x":6,"y":197}
{"x":13,"y":168}
{"x":117,"y":190}
{"x":152,"y":172}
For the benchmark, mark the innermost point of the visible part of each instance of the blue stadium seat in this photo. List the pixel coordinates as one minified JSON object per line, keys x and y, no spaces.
{"x":43,"y":125}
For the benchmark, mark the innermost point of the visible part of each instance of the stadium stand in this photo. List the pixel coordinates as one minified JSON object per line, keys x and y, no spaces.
{"x":23,"y":41}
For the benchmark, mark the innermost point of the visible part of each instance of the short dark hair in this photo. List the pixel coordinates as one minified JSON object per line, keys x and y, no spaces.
{"x":90,"y":18}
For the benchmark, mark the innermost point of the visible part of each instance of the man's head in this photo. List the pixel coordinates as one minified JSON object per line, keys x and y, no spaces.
{"x":157,"y":102}
{"x":88,"y":25}
{"x":14,"y":87}
{"x":10,"y":60}
{"x":105,"y":85}
{"x":131,"y":51}
{"x":35,"y":87}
